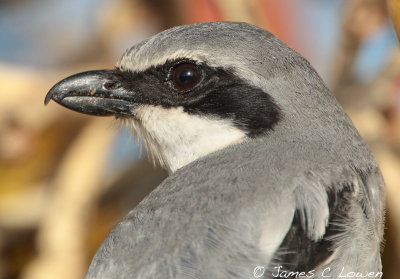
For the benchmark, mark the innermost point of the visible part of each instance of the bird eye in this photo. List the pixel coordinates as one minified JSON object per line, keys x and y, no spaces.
{"x":186,"y":76}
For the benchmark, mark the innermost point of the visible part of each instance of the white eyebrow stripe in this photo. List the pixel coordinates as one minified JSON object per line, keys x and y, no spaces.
{"x":134,"y":61}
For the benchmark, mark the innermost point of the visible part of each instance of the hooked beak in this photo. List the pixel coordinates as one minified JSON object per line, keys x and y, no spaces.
{"x":93,"y":92}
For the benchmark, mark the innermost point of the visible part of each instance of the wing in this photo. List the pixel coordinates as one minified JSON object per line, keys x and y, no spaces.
{"x":343,"y":241}
{"x":231,"y":212}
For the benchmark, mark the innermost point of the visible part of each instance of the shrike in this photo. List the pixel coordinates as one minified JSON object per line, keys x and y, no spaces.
{"x":267,"y":172}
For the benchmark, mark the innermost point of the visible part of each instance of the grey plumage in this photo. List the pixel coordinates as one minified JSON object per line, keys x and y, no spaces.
{"x":304,"y":194}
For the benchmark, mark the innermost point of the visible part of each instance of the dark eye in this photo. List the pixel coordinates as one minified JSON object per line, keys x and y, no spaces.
{"x":186,"y":76}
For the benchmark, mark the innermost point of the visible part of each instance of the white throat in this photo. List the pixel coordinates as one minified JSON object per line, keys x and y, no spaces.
{"x":174,"y":138}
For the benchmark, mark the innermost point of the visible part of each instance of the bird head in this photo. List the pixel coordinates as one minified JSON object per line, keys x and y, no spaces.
{"x":195,"y":89}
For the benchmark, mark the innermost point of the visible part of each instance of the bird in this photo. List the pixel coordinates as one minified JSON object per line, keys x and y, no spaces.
{"x":268,"y":177}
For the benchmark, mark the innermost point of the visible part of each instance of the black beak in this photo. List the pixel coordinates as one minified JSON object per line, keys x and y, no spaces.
{"x":92,"y":92}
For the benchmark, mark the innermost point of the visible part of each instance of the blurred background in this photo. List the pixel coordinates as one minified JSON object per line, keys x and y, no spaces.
{"x":67,"y":179}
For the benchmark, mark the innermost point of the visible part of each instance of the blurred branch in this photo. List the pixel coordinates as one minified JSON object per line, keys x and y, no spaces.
{"x":394,"y":9}
{"x":63,"y":232}
{"x":362,"y":17}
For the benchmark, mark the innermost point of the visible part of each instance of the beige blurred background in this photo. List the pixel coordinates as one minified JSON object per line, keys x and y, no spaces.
{"x":67,"y":179}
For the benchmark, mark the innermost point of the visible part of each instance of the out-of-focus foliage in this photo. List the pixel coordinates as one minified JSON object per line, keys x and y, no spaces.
{"x":67,"y":179}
